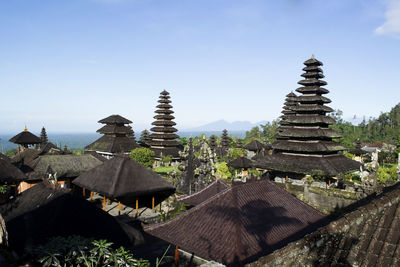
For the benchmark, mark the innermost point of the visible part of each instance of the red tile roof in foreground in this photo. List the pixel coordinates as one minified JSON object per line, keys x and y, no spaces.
{"x":240,"y":224}
{"x":369,"y":235}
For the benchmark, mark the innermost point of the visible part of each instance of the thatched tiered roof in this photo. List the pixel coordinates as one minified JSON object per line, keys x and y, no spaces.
{"x":213,"y":142}
{"x":290,"y":102}
{"x":225,"y":139}
{"x":42,"y":212}
{"x":117,"y":136}
{"x":163,"y":139}
{"x":304,"y":135}
{"x":25,"y":138}
{"x":125,"y":179}
{"x":357,"y":149}
{"x":240,"y":224}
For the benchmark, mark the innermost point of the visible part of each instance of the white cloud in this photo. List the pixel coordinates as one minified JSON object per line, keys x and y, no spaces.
{"x":391,"y":27}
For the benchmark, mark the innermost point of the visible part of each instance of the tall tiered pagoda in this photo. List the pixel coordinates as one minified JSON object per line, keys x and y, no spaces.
{"x":290,"y":102}
{"x":163,"y":139}
{"x":304,"y":140}
{"x":117,"y":137}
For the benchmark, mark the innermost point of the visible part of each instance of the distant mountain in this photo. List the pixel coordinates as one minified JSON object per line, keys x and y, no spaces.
{"x":223,"y":124}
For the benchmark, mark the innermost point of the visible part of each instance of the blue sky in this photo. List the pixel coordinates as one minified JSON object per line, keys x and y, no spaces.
{"x":67,"y":64}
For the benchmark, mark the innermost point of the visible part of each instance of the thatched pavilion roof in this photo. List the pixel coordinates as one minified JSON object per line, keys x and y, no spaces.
{"x":42,"y":212}
{"x":66,"y":166}
{"x":205,"y":194}
{"x":241,"y":163}
{"x":255,"y":146}
{"x":25,"y":138}
{"x":240,"y":224}
{"x":9,"y":173}
{"x":123,"y":178}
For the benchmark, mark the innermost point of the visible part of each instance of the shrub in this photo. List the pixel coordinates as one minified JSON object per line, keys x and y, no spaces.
{"x":386,"y":174}
{"x":79,"y":251}
{"x":223,"y":170}
{"x":143,"y":156}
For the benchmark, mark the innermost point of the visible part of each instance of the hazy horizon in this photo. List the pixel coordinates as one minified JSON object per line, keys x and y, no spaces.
{"x":67,"y":64}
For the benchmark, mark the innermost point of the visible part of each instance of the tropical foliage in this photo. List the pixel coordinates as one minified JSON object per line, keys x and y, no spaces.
{"x":143,"y":156}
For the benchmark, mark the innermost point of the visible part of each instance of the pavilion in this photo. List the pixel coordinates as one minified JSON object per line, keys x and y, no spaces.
{"x":25,"y":139}
{"x":127,"y":181}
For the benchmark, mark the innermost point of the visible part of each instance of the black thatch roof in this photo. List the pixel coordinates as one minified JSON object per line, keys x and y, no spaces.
{"x":241,"y":163}
{"x":42,"y":212}
{"x":330,"y":164}
{"x":254,"y":146}
{"x":240,"y":224}
{"x":25,"y":156}
{"x":205,"y":194}
{"x":9,"y":173}
{"x":25,"y":138}
{"x":123,"y":178}
{"x":4,"y":157}
{"x":115,"y":129}
{"x":304,"y":139}
{"x":66,"y":166}
{"x":115,"y":119}
{"x":49,"y":148}
{"x":112,"y":144}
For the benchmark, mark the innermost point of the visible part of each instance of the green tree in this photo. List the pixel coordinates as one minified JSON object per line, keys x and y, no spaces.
{"x":223,"y":170}
{"x":143,"y":156}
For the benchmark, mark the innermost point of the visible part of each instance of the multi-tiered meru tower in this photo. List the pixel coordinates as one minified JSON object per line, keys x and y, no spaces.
{"x":117,"y":137}
{"x":305,"y":140}
{"x":163,"y":139}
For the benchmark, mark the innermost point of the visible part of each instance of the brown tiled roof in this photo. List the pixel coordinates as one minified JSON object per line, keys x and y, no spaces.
{"x":240,"y":224}
{"x":367,"y":236}
{"x":205,"y":194}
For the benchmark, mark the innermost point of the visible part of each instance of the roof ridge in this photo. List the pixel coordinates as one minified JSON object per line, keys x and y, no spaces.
{"x":195,"y":208}
{"x":208,"y":186}
{"x":119,"y":170}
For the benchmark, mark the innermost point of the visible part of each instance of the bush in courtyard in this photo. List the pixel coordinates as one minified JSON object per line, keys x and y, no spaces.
{"x":143,"y":156}
{"x":386,"y":174}
{"x":223,"y":170}
{"x":80,"y":251}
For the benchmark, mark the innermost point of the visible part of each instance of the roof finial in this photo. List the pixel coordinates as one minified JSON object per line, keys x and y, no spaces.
{"x":25,"y":129}
{"x":312,"y":56}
